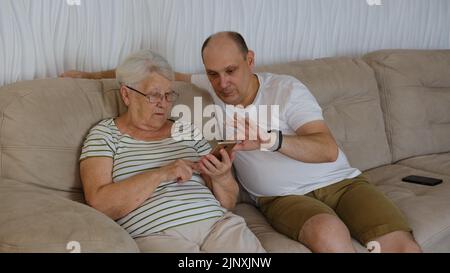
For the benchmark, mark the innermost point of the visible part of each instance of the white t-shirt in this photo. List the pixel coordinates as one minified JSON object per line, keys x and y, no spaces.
{"x":272,"y":173}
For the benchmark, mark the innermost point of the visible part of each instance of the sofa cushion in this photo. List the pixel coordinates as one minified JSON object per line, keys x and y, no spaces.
{"x":347,"y":92}
{"x":415,"y":92}
{"x":435,"y":163}
{"x":42,"y":127}
{"x":35,"y":220}
{"x":427,"y":209}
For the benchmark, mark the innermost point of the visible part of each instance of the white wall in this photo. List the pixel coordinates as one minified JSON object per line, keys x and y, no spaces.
{"x":42,"y":38}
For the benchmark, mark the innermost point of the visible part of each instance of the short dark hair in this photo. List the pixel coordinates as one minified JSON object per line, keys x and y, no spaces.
{"x":235,"y":36}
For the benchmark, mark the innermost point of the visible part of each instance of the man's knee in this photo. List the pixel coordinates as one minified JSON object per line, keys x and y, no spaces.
{"x":325,"y":232}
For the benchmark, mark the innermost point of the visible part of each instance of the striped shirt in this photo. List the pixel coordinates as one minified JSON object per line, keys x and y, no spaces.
{"x":171,"y":204}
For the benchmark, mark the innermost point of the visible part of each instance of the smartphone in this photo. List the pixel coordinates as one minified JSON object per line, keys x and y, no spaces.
{"x":227,"y":145}
{"x":422,"y":180}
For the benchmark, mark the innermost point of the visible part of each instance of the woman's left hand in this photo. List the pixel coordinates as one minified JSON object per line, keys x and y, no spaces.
{"x":216,"y":169}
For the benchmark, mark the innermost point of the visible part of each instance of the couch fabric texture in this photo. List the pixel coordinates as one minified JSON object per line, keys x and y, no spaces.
{"x":389,"y":112}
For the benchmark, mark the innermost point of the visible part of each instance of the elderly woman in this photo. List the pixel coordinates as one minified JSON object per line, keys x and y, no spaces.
{"x":171,"y":195}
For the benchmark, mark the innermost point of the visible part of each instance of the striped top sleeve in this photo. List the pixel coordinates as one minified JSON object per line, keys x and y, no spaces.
{"x":99,"y":142}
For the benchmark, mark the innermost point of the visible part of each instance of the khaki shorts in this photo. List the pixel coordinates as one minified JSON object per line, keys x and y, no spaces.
{"x":367,"y":213}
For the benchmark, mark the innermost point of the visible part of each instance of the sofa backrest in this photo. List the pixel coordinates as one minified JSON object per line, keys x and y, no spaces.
{"x":415,"y":97}
{"x":43,"y":124}
{"x":347,"y":91}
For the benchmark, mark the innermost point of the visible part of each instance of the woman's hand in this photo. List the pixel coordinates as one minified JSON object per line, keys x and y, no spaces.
{"x":179,"y":170}
{"x":219,"y":179}
{"x":219,"y":171}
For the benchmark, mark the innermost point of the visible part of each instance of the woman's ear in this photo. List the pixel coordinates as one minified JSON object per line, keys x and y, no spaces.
{"x":125,"y":95}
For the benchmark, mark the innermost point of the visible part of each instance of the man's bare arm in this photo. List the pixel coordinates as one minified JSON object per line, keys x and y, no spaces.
{"x":183,"y":77}
{"x":108,"y":74}
{"x":111,"y":74}
{"x":313,"y":143}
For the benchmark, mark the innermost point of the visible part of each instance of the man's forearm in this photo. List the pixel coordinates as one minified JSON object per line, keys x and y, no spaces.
{"x":111,"y":74}
{"x":313,"y":148}
{"x":183,"y":77}
{"x":108,"y":74}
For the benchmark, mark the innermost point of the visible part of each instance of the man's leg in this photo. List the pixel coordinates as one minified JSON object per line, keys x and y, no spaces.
{"x":370,"y":215}
{"x":307,"y":220}
{"x":398,"y":241}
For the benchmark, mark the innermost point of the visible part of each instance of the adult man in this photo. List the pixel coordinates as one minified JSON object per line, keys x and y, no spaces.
{"x":305,"y":187}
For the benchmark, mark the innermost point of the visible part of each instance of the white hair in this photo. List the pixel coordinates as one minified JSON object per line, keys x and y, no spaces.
{"x":137,"y":66}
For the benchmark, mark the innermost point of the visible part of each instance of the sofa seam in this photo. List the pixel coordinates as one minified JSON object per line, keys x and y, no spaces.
{"x":5,"y":108}
{"x":384,"y":101}
{"x":427,"y":241}
{"x":1,"y":146}
{"x":385,"y":98}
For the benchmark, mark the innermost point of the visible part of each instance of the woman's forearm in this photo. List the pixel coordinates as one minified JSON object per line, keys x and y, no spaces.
{"x":226,"y":190}
{"x":118,"y":199}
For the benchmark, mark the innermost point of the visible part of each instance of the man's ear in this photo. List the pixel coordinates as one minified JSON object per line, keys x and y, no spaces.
{"x":125,"y":95}
{"x":251,"y":59}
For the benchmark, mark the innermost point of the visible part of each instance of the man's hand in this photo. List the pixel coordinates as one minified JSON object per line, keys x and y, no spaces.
{"x":255,"y":137}
{"x":76,"y":74}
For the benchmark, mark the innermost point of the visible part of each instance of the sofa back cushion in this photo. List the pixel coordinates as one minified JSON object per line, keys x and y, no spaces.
{"x":415,"y":95}
{"x":347,"y":91}
{"x":43,"y":124}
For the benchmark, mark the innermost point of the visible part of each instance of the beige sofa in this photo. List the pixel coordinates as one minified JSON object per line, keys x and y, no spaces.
{"x":389,"y":111}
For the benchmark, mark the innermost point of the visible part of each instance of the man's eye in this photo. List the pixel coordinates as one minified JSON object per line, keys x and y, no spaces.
{"x":212,"y":74}
{"x":230,"y":71}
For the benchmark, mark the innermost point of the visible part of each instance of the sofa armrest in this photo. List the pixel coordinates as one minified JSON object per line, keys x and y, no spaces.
{"x":34,"y":220}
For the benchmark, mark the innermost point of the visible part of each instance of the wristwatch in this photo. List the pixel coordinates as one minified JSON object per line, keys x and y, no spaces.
{"x":276,"y":139}
{"x":279,"y":140}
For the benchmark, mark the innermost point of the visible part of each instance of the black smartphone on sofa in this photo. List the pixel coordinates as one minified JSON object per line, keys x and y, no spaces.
{"x":422,"y":180}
